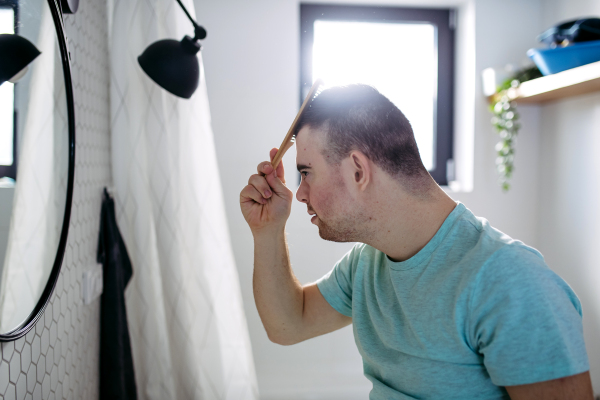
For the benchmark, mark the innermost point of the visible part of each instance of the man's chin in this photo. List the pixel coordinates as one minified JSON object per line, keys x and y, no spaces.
{"x":332,"y":235}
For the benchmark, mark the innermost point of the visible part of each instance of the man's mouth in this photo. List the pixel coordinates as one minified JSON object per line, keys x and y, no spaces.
{"x":314,"y":215}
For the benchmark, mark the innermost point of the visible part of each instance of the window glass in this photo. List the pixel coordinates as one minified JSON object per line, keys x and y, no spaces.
{"x":399,"y":59}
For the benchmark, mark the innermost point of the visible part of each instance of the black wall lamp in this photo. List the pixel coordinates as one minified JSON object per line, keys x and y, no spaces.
{"x":16,"y":53}
{"x":174,"y":65}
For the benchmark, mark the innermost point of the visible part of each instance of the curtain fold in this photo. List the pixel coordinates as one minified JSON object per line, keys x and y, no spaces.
{"x":184,"y":307}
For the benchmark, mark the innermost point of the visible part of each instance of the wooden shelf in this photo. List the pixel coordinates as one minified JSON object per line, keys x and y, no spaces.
{"x":572,"y":82}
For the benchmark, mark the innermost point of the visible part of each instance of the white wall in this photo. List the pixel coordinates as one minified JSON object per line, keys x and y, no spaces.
{"x":504,"y":31}
{"x":251,"y":60}
{"x":569,"y":221}
{"x":251,"y":56}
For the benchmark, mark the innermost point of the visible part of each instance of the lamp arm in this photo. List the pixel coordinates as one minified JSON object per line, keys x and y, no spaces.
{"x":200,"y":32}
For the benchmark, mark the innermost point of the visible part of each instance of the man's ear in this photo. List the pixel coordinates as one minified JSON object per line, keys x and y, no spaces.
{"x":360,"y":166}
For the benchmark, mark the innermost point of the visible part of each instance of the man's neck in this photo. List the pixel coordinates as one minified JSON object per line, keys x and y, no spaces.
{"x":403,"y":224}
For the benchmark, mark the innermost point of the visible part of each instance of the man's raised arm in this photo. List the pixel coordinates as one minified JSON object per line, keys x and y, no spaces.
{"x":289,"y":312}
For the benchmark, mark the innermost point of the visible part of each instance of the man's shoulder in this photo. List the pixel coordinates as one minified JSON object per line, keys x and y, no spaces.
{"x":516,"y":270}
{"x":489,"y":245}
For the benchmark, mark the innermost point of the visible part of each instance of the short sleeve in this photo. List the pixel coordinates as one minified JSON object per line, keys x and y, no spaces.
{"x":336,"y":286}
{"x":525,"y":320}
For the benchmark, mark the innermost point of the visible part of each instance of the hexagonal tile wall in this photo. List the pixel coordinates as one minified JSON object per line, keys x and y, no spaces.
{"x":58,"y":359}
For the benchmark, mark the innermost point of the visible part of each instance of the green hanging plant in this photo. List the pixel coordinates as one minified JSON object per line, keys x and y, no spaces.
{"x":505,"y":121}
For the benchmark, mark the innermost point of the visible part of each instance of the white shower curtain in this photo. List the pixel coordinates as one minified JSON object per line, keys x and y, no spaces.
{"x":184,"y":308}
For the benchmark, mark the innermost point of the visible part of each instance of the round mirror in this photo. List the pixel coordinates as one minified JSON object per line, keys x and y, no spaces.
{"x":37,"y":153}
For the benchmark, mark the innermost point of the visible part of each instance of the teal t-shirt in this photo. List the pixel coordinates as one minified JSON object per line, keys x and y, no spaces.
{"x":471,"y":312}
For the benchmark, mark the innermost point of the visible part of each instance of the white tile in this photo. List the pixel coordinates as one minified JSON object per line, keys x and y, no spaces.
{"x":47,"y":318}
{"x":11,"y":393}
{"x":15,"y":367}
{"x":59,"y":391}
{"x":49,"y":360}
{"x":46,"y":386}
{"x":57,"y":352}
{"x":29,"y":336}
{"x":8,"y":350}
{"x":21,"y":387}
{"x":19,"y":344}
{"x":25,"y":357}
{"x":4,"y":371}
{"x":54,"y":378}
{"x":39,"y":327}
{"x":61,"y":370}
{"x":41,"y":369}
{"x":31,"y":378}
{"x":45,"y":341}
{"x":35,"y":349}
{"x":37,"y":392}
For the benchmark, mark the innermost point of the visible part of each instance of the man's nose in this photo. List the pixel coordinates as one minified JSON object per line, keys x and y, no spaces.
{"x":302,"y":193}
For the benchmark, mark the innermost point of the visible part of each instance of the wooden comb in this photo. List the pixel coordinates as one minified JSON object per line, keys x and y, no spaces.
{"x":290,"y":138}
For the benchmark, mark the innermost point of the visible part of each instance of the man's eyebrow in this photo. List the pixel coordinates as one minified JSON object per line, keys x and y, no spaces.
{"x":301,"y":167}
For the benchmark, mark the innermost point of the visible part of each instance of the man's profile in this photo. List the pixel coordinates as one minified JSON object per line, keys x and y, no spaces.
{"x":442,"y":304}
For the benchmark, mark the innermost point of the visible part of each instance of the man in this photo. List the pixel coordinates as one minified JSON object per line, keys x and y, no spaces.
{"x":443,"y":305}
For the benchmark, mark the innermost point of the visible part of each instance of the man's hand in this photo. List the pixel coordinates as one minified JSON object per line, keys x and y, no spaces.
{"x":575,"y":387}
{"x":266,"y":202}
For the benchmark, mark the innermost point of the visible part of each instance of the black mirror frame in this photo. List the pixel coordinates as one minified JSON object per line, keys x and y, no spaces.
{"x":42,"y":303}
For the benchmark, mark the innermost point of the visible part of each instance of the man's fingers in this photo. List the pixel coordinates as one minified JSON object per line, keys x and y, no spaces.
{"x":276,"y":183}
{"x":250,"y":193}
{"x":264,"y":168}
{"x":260,"y":183}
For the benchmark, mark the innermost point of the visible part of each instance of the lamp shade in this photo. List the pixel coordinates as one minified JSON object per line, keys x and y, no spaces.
{"x":173,"y":65}
{"x":16,"y":53}
{"x":70,"y":6}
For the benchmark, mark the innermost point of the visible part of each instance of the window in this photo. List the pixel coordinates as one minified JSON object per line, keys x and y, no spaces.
{"x":7,"y":101}
{"x":406,"y":53}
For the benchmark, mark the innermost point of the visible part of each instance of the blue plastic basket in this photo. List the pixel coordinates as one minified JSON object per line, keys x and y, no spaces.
{"x":551,"y":61}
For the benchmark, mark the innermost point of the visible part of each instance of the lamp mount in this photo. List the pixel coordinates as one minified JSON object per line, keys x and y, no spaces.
{"x":199,"y":32}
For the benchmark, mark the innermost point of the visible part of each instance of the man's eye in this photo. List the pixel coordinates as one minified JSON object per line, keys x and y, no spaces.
{"x":304,"y":173}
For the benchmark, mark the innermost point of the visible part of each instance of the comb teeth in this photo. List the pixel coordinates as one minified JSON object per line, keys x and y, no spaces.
{"x":290,"y":137}
{"x":317,"y":92}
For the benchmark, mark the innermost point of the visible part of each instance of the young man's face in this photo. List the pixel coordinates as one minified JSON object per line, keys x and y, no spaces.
{"x":324,"y":189}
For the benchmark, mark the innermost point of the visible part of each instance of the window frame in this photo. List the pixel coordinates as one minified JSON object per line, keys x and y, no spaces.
{"x":11,"y":170}
{"x":444,"y":20}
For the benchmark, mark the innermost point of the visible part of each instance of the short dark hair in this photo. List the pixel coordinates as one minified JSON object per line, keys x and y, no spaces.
{"x":358,"y":117}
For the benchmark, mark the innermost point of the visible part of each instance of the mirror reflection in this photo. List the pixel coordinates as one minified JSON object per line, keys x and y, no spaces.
{"x":33,"y":157}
